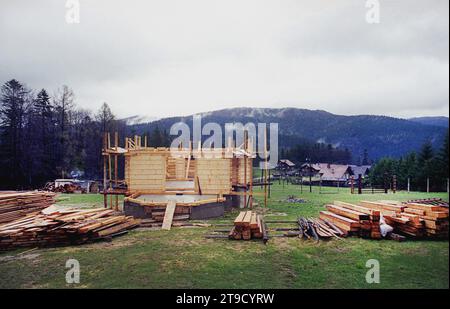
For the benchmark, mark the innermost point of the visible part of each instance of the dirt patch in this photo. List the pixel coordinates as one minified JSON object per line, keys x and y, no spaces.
{"x":276,"y":214}
{"x":285,"y":244}
{"x":29,"y":256}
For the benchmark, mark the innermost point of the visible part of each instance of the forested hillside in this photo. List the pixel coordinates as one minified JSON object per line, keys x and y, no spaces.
{"x":45,"y":135}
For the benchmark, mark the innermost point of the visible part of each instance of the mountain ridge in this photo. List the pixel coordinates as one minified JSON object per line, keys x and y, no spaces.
{"x":380,"y":135}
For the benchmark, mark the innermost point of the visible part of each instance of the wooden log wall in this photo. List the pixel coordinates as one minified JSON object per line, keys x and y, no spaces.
{"x":214,"y":175}
{"x":146,"y":171}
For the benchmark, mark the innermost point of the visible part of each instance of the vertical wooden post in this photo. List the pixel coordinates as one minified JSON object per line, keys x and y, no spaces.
{"x":116,"y":144}
{"x":352,"y":184}
{"x":359,"y":184}
{"x":109,"y":170}
{"x":189,"y":161}
{"x":320,"y":184}
{"x":409,"y":184}
{"x":105,"y":204}
{"x":265,"y":167}
{"x":245,"y":169}
{"x":394,"y":183}
{"x":428,"y":184}
{"x":250,"y":151}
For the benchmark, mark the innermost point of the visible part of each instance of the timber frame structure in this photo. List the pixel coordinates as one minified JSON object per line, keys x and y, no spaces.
{"x":189,"y":176}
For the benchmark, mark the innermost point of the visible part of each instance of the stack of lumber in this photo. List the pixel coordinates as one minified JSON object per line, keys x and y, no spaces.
{"x":64,"y":227}
{"x":156,"y":215}
{"x":430,"y":201}
{"x":248,"y":225}
{"x":433,"y":218}
{"x":394,"y":215}
{"x":414,"y":219}
{"x":181,"y":213}
{"x":318,"y":229}
{"x":14,"y":205}
{"x":353,"y":219}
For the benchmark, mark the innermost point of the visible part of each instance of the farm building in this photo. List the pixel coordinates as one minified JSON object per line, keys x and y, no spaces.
{"x":197,"y":182}
{"x":327,"y":173}
{"x":362,"y":170}
{"x":286,"y":166}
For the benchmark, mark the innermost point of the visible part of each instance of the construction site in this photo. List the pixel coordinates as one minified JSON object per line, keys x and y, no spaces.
{"x":217,"y":199}
{"x":178,"y":183}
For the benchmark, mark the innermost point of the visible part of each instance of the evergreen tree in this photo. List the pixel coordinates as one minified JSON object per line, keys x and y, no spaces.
{"x":13,"y":107}
{"x":443,"y":159}
{"x":41,"y":140}
{"x":365,"y":159}
{"x":156,"y":138}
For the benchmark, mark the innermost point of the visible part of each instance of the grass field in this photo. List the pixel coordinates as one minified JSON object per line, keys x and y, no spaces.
{"x":183,"y":258}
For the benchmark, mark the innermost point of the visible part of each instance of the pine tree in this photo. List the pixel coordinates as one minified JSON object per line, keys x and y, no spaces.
{"x":426,"y":164}
{"x":13,"y":108}
{"x":105,"y":118}
{"x":41,"y":145}
{"x":443,"y":158}
{"x":156,"y":138}
{"x":365,"y":159}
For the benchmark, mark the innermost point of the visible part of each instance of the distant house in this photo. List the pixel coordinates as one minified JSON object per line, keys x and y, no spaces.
{"x":285,"y":164}
{"x":307,"y":170}
{"x":362,"y":170}
{"x":327,"y":173}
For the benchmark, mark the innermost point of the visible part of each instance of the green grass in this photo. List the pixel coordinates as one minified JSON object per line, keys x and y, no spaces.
{"x":183,"y":258}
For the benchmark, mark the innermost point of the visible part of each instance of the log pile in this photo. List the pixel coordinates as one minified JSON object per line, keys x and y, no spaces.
{"x":64,"y":227}
{"x":433,"y":218}
{"x":414,"y":219}
{"x":248,"y":225}
{"x":14,"y":205}
{"x":155,"y":216}
{"x":353,"y":219}
{"x":66,"y":188}
{"x":430,"y":201}
{"x":318,"y":229}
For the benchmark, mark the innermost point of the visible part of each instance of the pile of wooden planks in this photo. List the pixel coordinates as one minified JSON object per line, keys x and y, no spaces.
{"x":316,"y":229}
{"x":433,"y":218}
{"x":353,"y":219}
{"x":248,"y":225}
{"x":64,"y":227}
{"x":414,"y":219}
{"x":14,"y":205}
{"x":157,"y":213}
{"x":430,"y":201}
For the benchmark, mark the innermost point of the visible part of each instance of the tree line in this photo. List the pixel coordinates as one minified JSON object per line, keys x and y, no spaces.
{"x":44,"y":137}
{"x":317,"y":153}
{"x":428,"y":165}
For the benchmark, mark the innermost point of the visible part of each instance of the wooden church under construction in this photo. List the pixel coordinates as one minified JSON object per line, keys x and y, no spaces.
{"x":192,"y":182}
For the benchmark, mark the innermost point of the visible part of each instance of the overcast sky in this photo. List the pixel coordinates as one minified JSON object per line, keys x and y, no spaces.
{"x":178,"y":57}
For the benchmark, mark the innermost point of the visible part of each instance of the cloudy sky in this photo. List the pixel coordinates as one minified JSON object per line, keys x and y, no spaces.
{"x":177,"y":57}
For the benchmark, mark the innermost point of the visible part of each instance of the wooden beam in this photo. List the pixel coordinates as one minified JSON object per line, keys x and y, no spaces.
{"x":168,"y":215}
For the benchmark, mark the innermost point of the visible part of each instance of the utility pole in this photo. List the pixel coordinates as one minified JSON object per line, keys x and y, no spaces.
{"x":409,"y":184}
{"x":310,"y":176}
